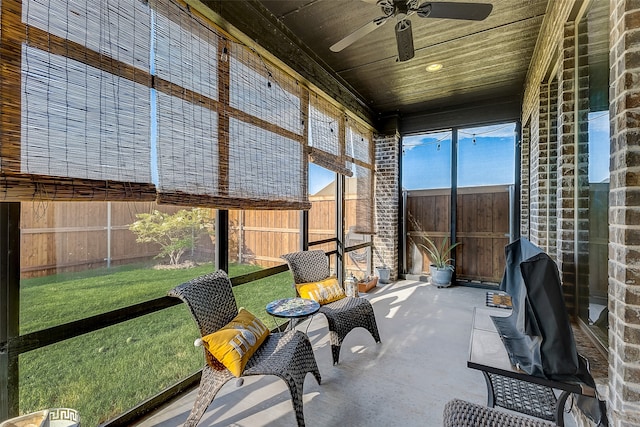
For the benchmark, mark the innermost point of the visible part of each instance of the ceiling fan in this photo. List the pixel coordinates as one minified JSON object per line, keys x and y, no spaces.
{"x":403,"y":9}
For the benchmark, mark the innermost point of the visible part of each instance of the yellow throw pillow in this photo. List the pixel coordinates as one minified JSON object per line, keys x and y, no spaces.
{"x":324,"y":292}
{"x":236,"y":342}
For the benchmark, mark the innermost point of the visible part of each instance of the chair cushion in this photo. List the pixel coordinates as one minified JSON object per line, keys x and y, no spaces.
{"x":324,"y":291}
{"x":235,"y":343}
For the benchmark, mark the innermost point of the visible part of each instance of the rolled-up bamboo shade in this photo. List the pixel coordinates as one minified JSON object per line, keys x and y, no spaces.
{"x":16,"y":188}
{"x":185,"y":51}
{"x":187,"y":142}
{"x":118,"y":29}
{"x":80,"y":121}
{"x":263,"y":91}
{"x":359,"y":150}
{"x":146,"y":93}
{"x":326,"y":141}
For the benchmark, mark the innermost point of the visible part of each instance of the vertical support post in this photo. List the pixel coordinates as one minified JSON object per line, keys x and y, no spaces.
{"x":340,"y":226}
{"x":12,"y":37}
{"x":222,"y":216}
{"x":222,"y":240}
{"x":517,"y":189}
{"x":512,"y":191}
{"x":402,"y":219}
{"x":454,"y":195}
{"x":304,"y":230}
{"x":304,"y":215}
{"x":402,"y":241}
{"x":9,"y":307}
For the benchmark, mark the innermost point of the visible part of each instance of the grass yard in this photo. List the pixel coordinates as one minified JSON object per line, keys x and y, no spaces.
{"x":104,"y":373}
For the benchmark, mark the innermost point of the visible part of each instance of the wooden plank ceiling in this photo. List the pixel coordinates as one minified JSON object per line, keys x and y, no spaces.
{"x":482,"y":60}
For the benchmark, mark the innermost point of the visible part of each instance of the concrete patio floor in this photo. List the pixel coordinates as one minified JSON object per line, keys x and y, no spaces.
{"x":403,"y":381}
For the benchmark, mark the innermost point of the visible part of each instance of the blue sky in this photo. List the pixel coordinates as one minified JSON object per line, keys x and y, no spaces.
{"x":490,"y":161}
{"x":319,"y":178}
{"x":599,"y":146}
{"x":486,"y":156}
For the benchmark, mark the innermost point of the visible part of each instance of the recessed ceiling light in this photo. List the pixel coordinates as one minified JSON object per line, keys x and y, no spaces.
{"x":432,"y":68}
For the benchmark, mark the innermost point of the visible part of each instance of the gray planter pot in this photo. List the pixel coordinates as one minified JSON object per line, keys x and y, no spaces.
{"x":383,"y":274}
{"x":441,"y":277}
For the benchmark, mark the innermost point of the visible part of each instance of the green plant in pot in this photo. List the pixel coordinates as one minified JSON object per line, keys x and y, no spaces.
{"x":441,"y":268}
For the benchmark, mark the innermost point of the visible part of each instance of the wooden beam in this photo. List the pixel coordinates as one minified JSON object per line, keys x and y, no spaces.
{"x":476,"y":114}
{"x":11,"y":37}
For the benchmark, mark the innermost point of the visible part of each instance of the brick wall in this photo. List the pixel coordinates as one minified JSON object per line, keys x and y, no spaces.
{"x":543,"y":170}
{"x":557,"y":145}
{"x":545,"y":51}
{"x":567,"y":163}
{"x":624,"y":215}
{"x":525,"y":180}
{"x":387,"y":194}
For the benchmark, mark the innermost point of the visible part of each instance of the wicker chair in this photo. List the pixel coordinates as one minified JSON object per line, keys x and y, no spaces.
{"x":459,"y":413}
{"x":343,"y":315}
{"x":288,"y":355}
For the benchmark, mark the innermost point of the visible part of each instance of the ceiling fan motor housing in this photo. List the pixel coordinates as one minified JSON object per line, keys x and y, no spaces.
{"x":404,"y":38}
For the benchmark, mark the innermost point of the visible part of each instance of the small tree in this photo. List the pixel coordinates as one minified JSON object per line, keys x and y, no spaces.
{"x":175,"y":233}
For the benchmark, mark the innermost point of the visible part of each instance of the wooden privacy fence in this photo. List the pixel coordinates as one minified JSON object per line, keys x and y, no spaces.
{"x":260,"y":237}
{"x":482,"y":229}
{"x":75,"y":236}
{"x":61,"y":237}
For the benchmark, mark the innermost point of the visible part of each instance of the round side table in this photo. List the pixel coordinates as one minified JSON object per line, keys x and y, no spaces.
{"x":293,"y":309}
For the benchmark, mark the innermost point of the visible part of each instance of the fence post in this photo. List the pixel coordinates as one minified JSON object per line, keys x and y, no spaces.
{"x":108,"y":234}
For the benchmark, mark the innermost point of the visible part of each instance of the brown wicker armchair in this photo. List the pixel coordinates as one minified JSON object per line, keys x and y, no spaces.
{"x":343,"y":315}
{"x":288,"y":355}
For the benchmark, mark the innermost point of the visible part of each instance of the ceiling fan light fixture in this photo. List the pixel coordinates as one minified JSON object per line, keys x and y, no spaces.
{"x":404,"y":38}
{"x":432,"y":68}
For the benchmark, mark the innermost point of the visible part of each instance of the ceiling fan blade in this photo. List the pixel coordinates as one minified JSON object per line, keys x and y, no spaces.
{"x":359,"y":33}
{"x":453,"y":10}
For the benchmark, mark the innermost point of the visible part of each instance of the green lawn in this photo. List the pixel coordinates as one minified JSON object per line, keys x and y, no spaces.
{"x":104,"y":373}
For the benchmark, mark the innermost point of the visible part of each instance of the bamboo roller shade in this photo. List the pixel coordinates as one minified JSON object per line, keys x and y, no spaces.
{"x":124,"y":94}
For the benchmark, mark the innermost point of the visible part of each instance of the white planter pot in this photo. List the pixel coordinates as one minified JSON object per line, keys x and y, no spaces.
{"x":441,"y":277}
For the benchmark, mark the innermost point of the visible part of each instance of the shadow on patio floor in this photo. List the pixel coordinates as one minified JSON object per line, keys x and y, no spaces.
{"x":404,"y":381}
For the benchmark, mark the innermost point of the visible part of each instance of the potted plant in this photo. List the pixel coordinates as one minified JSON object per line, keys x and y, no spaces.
{"x":441,"y":268}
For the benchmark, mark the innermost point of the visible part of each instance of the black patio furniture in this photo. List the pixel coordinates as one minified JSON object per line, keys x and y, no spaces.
{"x":342,"y":315}
{"x":288,"y":355}
{"x":460,"y":413}
{"x":536,"y":342}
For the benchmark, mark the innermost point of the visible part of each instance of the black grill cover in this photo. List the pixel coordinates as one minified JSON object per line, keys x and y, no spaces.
{"x":538,"y":335}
